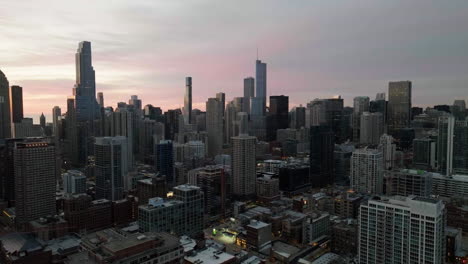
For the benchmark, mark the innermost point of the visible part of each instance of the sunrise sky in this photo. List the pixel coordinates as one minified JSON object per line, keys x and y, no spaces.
{"x":313,"y":48}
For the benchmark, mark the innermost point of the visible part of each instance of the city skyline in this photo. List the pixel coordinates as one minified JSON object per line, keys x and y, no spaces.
{"x":306,"y":57}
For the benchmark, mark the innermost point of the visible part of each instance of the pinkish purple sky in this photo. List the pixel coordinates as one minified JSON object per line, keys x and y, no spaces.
{"x":314,"y":49}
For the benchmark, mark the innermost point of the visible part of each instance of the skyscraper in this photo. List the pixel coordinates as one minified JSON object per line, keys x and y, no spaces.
{"x":399,"y":105}
{"x":56,"y":114}
{"x":249,"y":92}
{"x":165,"y":160}
{"x":445,"y":144}
{"x":460,"y":147}
{"x":278,"y":116}
{"x":388,"y":148}
{"x":243,"y":163}
{"x":214,"y":126}
{"x":5,"y":121}
{"x":322,"y":146}
{"x":261,"y":83}
{"x":297,"y":117}
{"x":361,"y":105}
{"x":137,"y":105}
{"x":34,"y":166}
{"x":402,"y":230}
{"x":16,"y":103}
{"x":188,"y":101}
{"x":100,"y":97}
{"x":42,"y":120}
{"x":85,"y":87}
{"x":366,"y":171}
{"x":111,"y":167}
{"x":372,"y":127}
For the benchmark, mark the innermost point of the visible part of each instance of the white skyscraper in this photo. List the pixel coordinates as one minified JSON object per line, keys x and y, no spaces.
{"x":401,"y":230}
{"x":366,"y":171}
{"x":243,"y":163}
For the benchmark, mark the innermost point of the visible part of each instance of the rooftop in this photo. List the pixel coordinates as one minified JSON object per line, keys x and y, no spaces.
{"x":209,"y":256}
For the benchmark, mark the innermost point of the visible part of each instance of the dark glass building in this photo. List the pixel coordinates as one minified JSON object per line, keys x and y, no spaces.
{"x":322,"y":146}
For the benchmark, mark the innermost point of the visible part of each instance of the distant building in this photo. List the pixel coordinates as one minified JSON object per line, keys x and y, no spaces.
{"x":361,"y":105}
{"x":111,"y":167}
{"x":16,"y":105}
{"x":74,"y":182}
{"x":164,"y":162}
{"x":243,"y":165}
{"x":408,"y":182}
{"x":399,"y":105}
{"x":267,"y":187}
{"x":150,"y":188}
{"x":322,"y":145}
{"x":424,"y":153}
{"x":366,"y":171}
{"x":372,"y":128}
{"x":187,"y":111}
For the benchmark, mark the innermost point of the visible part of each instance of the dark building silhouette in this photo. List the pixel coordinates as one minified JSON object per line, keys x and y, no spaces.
{"x":5,"y":126}
{"x":294,"y":178}
{"x":322,"y":146}
{"x":165,"y":160}
{"x":16,"y":103}
{"x":278,"y":116}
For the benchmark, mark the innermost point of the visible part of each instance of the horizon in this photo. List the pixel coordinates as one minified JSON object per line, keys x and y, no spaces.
{"x":351,"y":57}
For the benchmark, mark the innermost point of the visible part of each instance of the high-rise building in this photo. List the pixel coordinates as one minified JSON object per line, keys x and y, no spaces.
{"x":34,"y":174}
{"x":74,"y":182}
{"x":100,"y":98}
{"x":16,"y":103}
{"x":297,"y":117}
{"x":402,"y":230}
{"x":136,"y":105}
{"x":399,"y":105}
{"x":460,"y":147}
{"x":388,"y":149}
{"x":322,"y":143}
{"x":111,"y":167}
{"x":424,"y":153}
{"x":328,"y":112}
{"x":231,"y":123}
{"x":5,"y":119}
{"x":56,"y":114}
{"x":85,"y":87}
{"x":278,"y":116}
{"x":243,"y":165}
{"x":182,"y":215}
{"x":261,"y":83}
{"x":406,"y":182}
{"x":122,"y":124}
{"x":222,"y":99}
{"x":164,"y":162}
{"x":361,"y":105}
{"x":214,"y":126}
{"x":42,"y":120}
{"x":445,"y":144}
{"x":249,"y":92}
{"x":366,"y":171}
{"x":372,"y":128}
{"x":188,"y":101}
{"x":151,"y":132}
{"x":342,"y":163}
{"x":171,"y":123}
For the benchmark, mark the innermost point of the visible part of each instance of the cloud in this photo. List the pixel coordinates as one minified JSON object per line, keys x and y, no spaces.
{"x":313,"y":48}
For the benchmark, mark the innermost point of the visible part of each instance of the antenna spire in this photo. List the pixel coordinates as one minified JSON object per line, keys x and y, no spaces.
{"x":257,"y":53}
